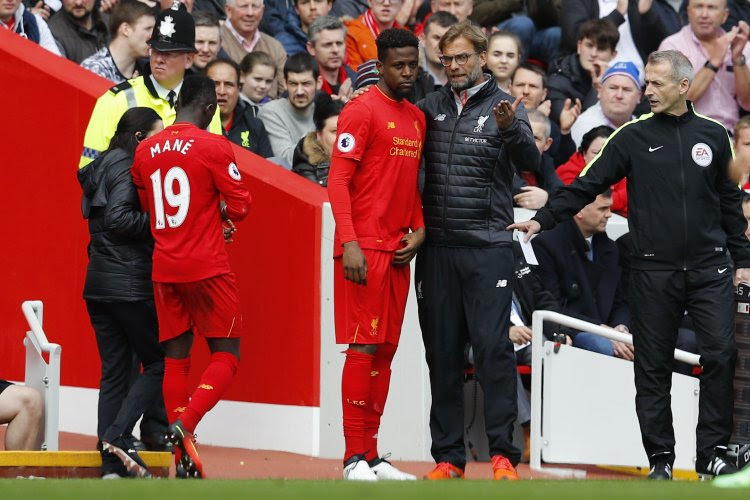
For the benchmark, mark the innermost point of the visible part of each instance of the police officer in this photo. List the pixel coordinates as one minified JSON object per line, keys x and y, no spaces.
{"x":172,"y":52}
{"x":683,"y":212}
{"x":464,"y":272}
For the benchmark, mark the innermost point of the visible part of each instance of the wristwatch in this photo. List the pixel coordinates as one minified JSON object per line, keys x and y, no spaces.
{"x":740,"y":61}
{"x":710,"y":66}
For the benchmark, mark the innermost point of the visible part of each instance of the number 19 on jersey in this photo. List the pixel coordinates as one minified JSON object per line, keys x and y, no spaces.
{"x":163,"y":191}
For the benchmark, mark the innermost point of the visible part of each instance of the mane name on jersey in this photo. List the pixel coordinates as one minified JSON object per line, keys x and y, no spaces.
{"x":177,"y":145}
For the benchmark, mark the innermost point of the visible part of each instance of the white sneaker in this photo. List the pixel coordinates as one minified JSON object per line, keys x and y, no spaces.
{"x":359,"y":471}
{"x":384,"y":470}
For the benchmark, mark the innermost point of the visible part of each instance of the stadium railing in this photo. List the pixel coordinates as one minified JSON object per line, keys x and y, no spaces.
{"x":43,"y":374}
{"x":583,"y":404}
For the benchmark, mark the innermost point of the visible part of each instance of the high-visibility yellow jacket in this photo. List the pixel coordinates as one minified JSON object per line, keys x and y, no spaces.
{"x":112,"y":105}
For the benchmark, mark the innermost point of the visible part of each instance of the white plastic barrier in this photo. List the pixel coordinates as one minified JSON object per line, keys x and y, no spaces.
{"x":42,"y":375}
{"x":583,"y":404}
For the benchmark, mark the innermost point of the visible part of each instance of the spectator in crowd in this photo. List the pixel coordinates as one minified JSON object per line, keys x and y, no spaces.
{"x":349,"y":9}
{"x":367,"y":75}
{"x":119,"y":292}
{"x":16,"y":17}
{"x":462,"y":9}
{"x":168,"y":4}
{"x":240,"y":36}
{"x":739,"y":10}
{"x":746,"y":212}
{"x":312,"y":156}
{"x":295,"y":35}
{"x":214,"y":8}
{"x":678,"y":178}
{"x":327,"y":44}
{"x":289,"y":120}
{"x":362,"y":31}
{"x":642,"y":24}
{"x":618,"y":97}
{"x":207,"y":40}
{"x":529,"y":83}
{"x":531,"y":188}
{"x":579,"y":266}
{"x":237,"y":118}
{"x":22,"y":409}
{"x":742,"y":146}
{"x":434,"y":28}
{"x":722,"y":78}
{"x":78,"y":29}
{"x":465,"y":215}
{"x":258,"y":77}
{"x":509,"y":15}
{"x":504,"y":54}
{"x":576,"y":76}
{"x":172,"y":51}
{"x":131,"y":23}
{"x":591,"y":144}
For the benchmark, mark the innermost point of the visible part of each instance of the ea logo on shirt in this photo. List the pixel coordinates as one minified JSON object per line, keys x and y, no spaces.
{"x":346,"y":142}
{"x":234,"y":172}
{"x":702,"y":154}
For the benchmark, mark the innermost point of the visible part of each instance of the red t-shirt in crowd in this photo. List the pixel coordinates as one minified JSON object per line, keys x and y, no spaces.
{"x":184,"y":171}
{"x":372,"y":184}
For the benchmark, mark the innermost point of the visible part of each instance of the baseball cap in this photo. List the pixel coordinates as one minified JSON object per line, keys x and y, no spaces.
{"x":174,"y":30}
{"x":624,"y":68}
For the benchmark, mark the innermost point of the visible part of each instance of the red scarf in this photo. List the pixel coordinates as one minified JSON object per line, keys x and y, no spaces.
{"x":341,"y":79}
{"x":373,"y":24}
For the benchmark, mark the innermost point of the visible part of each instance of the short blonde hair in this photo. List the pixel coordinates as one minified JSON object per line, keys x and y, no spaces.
{"x":465,"y":29}
{"x":742,"y":124}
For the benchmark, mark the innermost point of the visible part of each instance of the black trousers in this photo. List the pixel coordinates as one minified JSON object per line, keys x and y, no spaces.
{"x":122,"y":329}
{"x":465,"y":294}
{"x":658,"y":300}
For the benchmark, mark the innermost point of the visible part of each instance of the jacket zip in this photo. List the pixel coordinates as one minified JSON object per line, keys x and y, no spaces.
{"x":450,"y":155}
{"x":684,"y":196}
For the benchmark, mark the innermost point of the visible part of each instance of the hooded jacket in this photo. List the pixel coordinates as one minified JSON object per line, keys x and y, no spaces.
{"x":311,"y":160}
{"x":120,"y":249}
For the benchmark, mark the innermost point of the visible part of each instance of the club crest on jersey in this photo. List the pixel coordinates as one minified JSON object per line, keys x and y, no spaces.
{"x":166,"y":28}
{"x":702,"y":154}
{"x":391,"y":125}
{"x":234,"y":172}
{"x":480,"y":124}
{"x":345,"y":142}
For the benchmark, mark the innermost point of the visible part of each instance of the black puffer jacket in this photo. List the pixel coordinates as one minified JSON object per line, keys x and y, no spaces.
{"x":568,"y":80}
{"x":120,"y":249}
{"x":468,"y":171}
{"x":311,"y":160}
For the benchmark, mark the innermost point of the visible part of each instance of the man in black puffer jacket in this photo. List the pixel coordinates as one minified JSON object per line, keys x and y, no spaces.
{"x":464,"y":273}
{"x":119,"y":293}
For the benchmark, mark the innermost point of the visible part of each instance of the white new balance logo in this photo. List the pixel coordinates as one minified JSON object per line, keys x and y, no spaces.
{"x":440,"y":117}
{"x":501,"y":283}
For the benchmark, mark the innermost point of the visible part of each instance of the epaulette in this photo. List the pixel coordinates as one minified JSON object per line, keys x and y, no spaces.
{"x":120,"y":87}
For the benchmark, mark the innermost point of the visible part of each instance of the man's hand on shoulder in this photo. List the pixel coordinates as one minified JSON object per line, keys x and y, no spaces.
{"x":412,"y":243}
{"x":355,"y":264}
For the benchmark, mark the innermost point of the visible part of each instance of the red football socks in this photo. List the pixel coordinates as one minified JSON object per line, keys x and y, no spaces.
{"x":215,"y":380}
{"x":175,"y":386}
{"x":355,"y":398}
{"x":380,"y":379}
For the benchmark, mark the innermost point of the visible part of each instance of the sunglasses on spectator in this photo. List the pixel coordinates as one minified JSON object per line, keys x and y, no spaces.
{"x":460,"y":59}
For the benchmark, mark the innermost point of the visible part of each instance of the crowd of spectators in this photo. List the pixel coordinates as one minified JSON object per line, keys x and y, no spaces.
{"x":284,"y":69}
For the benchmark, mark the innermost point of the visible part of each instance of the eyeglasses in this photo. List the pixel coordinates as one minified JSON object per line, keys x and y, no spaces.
{"x":460,"y":59}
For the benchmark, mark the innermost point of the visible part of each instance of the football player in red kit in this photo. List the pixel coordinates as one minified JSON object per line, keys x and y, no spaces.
{"x":378,"y":211}
{"x":183,"y":173}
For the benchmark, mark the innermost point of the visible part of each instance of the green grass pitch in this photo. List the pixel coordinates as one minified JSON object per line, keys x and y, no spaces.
{"x":79,"y":489}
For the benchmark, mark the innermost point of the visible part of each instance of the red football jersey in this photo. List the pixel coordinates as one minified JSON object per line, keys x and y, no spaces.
{"x":376,"y":200}
{"x":184,"y":172}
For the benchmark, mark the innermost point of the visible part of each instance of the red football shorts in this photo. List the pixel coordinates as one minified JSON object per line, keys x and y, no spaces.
{"x":209,"y":307}
{"x":372,"y":313}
